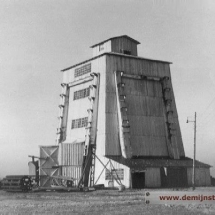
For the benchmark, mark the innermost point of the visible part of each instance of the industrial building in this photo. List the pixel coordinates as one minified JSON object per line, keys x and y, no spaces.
{"x":118,"y":123}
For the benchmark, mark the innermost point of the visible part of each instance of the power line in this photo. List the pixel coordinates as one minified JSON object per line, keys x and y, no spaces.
{"x":207,"y":107}
{"x":204,"y":123}
{"x":209,"y":114}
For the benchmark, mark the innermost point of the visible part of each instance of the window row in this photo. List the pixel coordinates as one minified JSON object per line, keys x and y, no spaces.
{"x":83,"y":70}
{"x":79,"y":123}
{"x":114,"y":173}
{"x":81,"y":93}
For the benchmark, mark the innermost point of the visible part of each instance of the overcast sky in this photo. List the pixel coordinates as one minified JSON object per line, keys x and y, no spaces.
{"x":39,"y":38}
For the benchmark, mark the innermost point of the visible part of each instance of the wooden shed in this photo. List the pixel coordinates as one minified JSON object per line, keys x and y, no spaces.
{"x":124,"y":107}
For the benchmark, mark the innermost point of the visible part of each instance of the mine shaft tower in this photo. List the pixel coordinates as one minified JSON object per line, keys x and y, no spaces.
{"x":118,"y":121}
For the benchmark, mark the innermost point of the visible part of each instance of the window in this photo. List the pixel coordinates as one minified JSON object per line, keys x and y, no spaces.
{"x":126,"y":52}
{"x":101,"y":47}
{"x":79,"y":123}
{"x":81,"y":94}
{"x":83,"y":70}
{"x":114,"y":173}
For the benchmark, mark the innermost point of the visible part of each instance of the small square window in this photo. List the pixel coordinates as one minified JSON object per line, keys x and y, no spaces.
{"x":101,"y":47}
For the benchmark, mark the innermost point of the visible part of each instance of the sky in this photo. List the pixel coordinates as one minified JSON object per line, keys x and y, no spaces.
{"x":40,"y":38}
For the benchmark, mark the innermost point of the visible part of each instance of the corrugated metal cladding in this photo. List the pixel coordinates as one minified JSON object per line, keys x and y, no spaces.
{"x":202,"y":176}
{"x":72,"y":158}
{"x":124,"y":44}
{"x":152,"y":177}
{"x":176,"y":177}
{"x":145,"y":107}
{"x":72,"y":154}
{"x":146,"y":117}
{"x":73,"y":172}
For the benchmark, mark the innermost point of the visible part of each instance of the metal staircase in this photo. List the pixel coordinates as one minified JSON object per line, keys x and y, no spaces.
{"x":88,"y":166}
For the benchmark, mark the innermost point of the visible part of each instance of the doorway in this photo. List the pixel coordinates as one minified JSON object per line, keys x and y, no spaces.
{"x":177,"y":177}
{"x":138,"y":180}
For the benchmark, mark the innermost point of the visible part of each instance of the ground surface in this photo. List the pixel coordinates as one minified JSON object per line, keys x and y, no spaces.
{"x":97,"y":202}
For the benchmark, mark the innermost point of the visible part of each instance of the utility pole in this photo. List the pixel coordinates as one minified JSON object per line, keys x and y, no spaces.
{"x":194,"y":152}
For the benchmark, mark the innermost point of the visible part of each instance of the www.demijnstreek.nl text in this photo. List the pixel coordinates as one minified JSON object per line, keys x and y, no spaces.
{"x":200,"y":198}
{"x":179,"y":197}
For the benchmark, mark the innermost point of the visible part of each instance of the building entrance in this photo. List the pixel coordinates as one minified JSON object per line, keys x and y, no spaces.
{"x":138,"y":180}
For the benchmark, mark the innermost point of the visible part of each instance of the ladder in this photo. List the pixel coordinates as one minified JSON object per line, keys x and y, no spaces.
{"x":88,"y":165}
{"x":63,"y":97}
{"x":171,"y":128}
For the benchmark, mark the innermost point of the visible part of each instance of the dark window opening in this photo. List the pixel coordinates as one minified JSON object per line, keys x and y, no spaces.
{"x":126,"y":52}
{"x":83,"y":70}
{"x":81,"y":94}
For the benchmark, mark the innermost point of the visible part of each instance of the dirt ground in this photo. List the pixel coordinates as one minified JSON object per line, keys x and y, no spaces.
{"x":96,"y":202}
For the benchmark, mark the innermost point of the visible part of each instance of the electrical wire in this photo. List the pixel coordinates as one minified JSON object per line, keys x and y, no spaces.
{"x":204,"y":123}
{"x":201,"y":114}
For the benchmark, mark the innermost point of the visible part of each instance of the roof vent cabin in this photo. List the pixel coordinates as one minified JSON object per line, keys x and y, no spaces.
{"x":122,"y":44}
